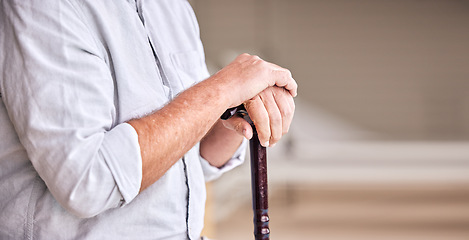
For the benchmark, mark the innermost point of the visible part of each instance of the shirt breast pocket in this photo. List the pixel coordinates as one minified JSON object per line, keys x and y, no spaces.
{"x":190,"y":67}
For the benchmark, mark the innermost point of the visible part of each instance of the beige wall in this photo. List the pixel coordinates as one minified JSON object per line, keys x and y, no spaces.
{"x":396,"y":68}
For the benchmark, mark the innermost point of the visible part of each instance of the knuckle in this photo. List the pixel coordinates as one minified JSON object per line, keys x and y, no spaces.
{"x":290,"y":110}
{"x":257,"y":60}
{"x":287,"y":111}
{"x":252,"y":104}
{"x":263,"y":136}
{"x":262,"y":126}
{"x":276,"y":137}
{"x":242,"y":57}
{"x":263,"y":131}
{"x":283,"y":91}
{"x":275,"y":118}
{"x":238,"y":127}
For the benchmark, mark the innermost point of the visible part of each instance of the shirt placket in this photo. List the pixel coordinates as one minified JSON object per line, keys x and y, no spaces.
{"x":170,"y":95}
{"x":164,"y":78}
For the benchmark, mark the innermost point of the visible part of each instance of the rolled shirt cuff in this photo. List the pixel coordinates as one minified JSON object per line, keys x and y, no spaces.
{"x":122,"y":153}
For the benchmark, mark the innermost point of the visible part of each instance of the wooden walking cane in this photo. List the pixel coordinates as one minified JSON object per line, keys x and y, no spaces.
{"x":258,"y":178}
{"x":260,"y":204}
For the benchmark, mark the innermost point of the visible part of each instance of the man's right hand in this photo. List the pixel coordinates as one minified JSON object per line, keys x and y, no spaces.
{"x":271,"y":112}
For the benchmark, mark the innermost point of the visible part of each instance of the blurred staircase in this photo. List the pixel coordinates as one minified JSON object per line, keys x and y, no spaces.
{"x":375,"y":212}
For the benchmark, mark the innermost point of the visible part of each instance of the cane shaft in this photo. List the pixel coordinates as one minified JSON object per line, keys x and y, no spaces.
{"x":259,"y":188}
{"x":258,"y":177}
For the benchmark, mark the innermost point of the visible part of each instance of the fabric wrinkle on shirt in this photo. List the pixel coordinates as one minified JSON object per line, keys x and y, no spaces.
{"x":73,"y":73}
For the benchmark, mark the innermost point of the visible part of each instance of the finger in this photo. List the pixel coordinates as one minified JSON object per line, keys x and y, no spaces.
{"x":285,"y":79}
{"x":260,"y":118}
{"x":242,"y":57}
{"x":239,"y":125}
{"x":286,"y":106}
{"x":247,"y":57}
{"x":275,"y":116}
{"x":292,"y":111}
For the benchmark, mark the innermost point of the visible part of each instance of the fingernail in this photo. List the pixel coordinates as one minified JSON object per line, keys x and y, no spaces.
{"x":266,"y":144}
{"x":273,"y":145}
{"x":246,"y":135}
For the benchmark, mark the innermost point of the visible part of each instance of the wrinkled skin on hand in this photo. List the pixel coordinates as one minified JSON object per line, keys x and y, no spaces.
{"x":249,"y":75}
{"x":269,"y":89}
{"x":271,"y":112}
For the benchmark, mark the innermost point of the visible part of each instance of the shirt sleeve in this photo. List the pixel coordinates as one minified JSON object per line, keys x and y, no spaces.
{"x":212,"y":172}
{"x":59,"y":94}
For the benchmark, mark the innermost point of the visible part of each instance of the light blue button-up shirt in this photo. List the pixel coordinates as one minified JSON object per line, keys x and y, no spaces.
{"x":72,"y":72}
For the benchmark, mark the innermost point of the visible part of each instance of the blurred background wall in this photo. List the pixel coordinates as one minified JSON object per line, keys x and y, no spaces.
{"x":379,"y":147}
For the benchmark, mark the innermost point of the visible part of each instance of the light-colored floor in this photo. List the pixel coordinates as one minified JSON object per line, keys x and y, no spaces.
{"x":340,"y":212}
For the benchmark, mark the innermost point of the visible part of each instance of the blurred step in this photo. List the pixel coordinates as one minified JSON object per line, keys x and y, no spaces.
{"x":359,"y":212}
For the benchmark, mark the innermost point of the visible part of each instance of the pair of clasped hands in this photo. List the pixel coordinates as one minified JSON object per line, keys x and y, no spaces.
{"x":270,"y":90}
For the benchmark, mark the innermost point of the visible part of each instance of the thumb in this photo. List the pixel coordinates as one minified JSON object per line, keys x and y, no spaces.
{"x":239,"y":125}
